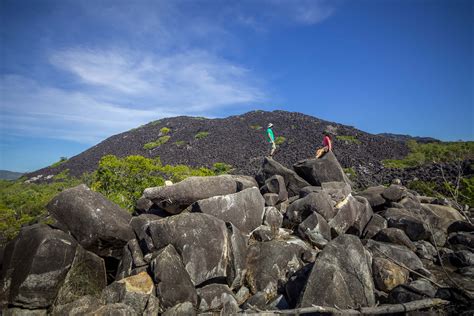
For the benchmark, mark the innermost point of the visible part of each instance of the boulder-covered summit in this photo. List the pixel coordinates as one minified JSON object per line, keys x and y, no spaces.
{"x":297,"y":240}
{"x":241,"y":142}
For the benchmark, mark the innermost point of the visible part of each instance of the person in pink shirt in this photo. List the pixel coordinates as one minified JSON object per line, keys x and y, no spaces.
{"x":327,"y":145}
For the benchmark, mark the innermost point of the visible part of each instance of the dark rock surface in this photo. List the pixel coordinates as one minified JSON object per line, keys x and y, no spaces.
{"x":173,"y":282}
{"x":31,"y":274}
{"x":244,"y":209}
{"x":341,"y":276}
{"x":175,"y":198}
{"x":201,"y":240}
{"x":227,"y":253}
{"x":318,"y":171}
{"x":270,"y":168}
{"x":96,"y":223}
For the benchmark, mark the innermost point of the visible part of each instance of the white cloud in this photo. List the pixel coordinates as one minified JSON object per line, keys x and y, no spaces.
{"x":118,"y":90}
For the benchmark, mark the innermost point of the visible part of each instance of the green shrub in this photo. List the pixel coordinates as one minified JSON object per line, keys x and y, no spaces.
{"x":123,"y":180}
{"x":255,"y":127}
{"x":221,"y":168}
{"x":280,"y":140}
{"x":426,"y":188}
{"x":348,"y":138}
{"x":164,"y":130}
{"x":180,"y":143}
{"x":60,"y":162}
{"x":22,"y":203}
{"x":201,"y":135}
{"x":432,"y":153}
{"x":160,"y":141}
{"x":350,"y":171}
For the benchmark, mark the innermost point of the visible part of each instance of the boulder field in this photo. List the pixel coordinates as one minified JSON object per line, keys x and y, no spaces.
{"x":297,"y":240}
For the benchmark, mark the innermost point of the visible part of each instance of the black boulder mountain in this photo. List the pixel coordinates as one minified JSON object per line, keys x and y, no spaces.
{"x":241,"y":142}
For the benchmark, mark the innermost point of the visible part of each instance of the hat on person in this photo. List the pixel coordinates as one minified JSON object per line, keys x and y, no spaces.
{"x":270,"y":125}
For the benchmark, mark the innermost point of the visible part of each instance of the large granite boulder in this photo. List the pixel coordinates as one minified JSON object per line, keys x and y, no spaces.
{"x":341,"y":276}
{"x":244,"y":209}
{"x":133,"y":291}
{"x":315,"y":229}
{"x":177,"y":197}
{"x":388,"y":275}
{"x":412,"y":225}
{"x":314,"y":202}
{"x":276,"y":185}
{"x":318,"y":171}
{"x":350,"y":213}
{"x":395,"y":236}
{"x":375,"y":224}
{"x":32,"y":273}
{"x":293,"y":181}
{"x":238,"y":256}
{"x":213,"y":297}
{"x":132,"y":261}
{"x":98,"y":224}
{"x":202,"y":241}
{"x":399,"y":253}
{"x":87,"y":276}
{"x":269,"y":265}
{"x":173,"y":284}
{"x":139,"y":225}
{"x":374,"y":196}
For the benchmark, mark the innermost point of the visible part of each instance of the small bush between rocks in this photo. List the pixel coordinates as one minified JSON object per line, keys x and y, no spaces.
{"x":280,"y":140}
{"x":164,"y":130}
{"x":180,"y":143}
{"x":255,"y":127}
{"x":221,"y":168}
{"x":201,"y":135}
{"x":160,"y":141}
{"x":348,"y":138}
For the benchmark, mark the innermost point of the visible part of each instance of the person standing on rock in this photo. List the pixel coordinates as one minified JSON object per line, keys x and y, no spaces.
{"x":327,"y":145}
{"x":271,"y":138}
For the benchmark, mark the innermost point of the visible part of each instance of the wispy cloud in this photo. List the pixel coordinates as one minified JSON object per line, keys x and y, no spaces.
{"x":117,"y":90}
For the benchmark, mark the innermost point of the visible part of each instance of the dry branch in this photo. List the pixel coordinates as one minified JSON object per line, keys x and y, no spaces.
{"x":377,"y":310}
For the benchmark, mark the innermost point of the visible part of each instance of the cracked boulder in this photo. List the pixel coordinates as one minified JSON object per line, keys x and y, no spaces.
{"x":341,"y":276}
{"x":200,"y":239}
{"x":133,"y":291}
{"x":293,"y":182}
{"x":318,"y":171}
{"x":34,"y":266}
{"x":244,"y":209}
{"x":177,"y":197}
{"x":98,"y":224}
{"x":314,"y":202}
{"x":270,"y":264}
{"x":173,"y":284}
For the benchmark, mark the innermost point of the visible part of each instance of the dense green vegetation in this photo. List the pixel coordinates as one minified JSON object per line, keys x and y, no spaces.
{"x":280,"y":140}
{"x":22,"y":203}
{"x":180,"y":143}
{"x":160,"y":141}
{"x":348,"y":138}
{"x":421,"y":154}
{"x":121,"y":180}
{"x":201,"y":135}
{"x":464,"y":195}
{"x":255,"y":127}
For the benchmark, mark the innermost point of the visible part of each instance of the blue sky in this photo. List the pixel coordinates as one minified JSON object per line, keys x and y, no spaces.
{"x":73,"y":73}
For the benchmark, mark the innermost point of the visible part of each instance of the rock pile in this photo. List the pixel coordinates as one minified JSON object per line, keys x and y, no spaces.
{"x":286,"y":239}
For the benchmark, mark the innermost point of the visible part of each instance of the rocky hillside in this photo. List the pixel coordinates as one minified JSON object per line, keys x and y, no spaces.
{"x":288,"y":239}
{"x":241,"y":142}
{"x":9,"y":175}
